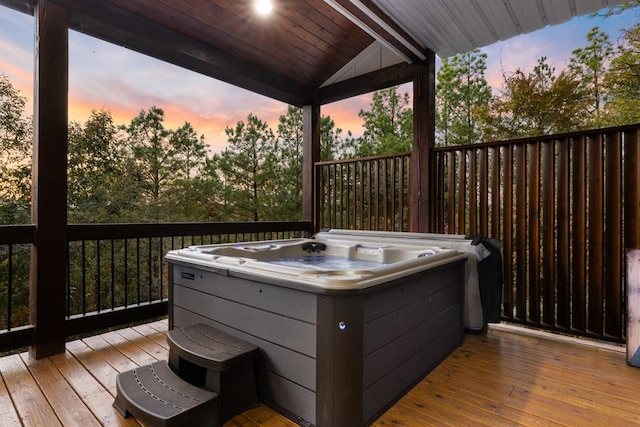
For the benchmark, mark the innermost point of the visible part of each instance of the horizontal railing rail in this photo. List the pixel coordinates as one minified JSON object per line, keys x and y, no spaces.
{"x":116,"y":273}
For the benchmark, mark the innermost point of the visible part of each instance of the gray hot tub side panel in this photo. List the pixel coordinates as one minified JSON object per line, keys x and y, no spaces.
{"x":309,"y":381}
{"x":285,"y":378}
{"x":280,"y":321}
{"x":408,"y":329}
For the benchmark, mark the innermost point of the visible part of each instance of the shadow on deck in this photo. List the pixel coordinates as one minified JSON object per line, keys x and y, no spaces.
{"x":496,"y":378}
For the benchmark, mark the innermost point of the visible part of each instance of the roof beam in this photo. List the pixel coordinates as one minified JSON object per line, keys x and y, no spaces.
{"x":113,"y":24}
{"x":371,"y":19}
{"x":365,"y":83}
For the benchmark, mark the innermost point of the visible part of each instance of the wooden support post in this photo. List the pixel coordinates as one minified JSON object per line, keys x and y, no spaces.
{"x":310,"y":155}
{"x":420,"y":218}
{"x":49,"y":180}
{"x":633,"y":307}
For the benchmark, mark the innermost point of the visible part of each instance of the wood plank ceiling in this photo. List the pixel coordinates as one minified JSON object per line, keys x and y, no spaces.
{"x":305,"y":44}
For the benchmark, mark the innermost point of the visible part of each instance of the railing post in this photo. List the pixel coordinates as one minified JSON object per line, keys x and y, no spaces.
{"x":49,"y":180}
{"x":310,"y":156}
{"x":420,"y":170}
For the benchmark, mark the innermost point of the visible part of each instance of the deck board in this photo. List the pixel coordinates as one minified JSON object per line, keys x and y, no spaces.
{"x":494,"y":379}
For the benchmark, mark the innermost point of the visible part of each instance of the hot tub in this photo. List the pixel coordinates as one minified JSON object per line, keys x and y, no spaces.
{"x":345,"y":328}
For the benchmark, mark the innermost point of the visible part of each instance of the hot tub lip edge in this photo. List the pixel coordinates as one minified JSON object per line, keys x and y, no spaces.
{"x":313,"y":288}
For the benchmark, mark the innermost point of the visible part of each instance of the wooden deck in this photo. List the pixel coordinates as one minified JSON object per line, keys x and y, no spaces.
{"x":496,"y":379}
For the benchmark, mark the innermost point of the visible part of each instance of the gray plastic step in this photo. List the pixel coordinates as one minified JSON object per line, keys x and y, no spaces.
{"x":206,"y":346}
{"x":155,"y":395}
{"x":210,"y":358}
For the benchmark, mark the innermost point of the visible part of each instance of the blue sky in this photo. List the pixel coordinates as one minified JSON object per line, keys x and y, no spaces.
{"x":97,"y":80}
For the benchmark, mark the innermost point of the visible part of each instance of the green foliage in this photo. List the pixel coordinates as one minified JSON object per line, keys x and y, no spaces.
{"x":164,"y":162}
{"x":623,"y":80}
{"x":462,"y":98}
{"x":15,"y":156}
{"x":100,"y":189}
{"x":388,"y":125}
{"x":537,"y":103}
{"x":249,"y":166}
{"x":588,"y":66}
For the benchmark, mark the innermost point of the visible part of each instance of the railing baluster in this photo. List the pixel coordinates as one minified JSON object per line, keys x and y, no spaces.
{"x":495,"y":193}
{"x":98,"y":275}
{"x":613,"y":239}
{"x":548,"y":233}
{"x":508,"y":297}
{"x":534,"y":231}
{"x":472,"y":227}
{"x":462,"y":192}
{"x":113,"y":276}
{"x":126,"y":273}
{"x":596,"y":235}
{"x":578,"y":237}
{"x":521,"y":234}
{"x":563,"y":270}
{"x":484,"y":192}
{"x":9,"y":287}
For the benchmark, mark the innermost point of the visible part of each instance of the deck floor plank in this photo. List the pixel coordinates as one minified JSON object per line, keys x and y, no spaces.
{"x":8,"y":413}
{"x":129,"y":349}
{"x":30,"y":402}
{"x":96,"y":364}
{"x":92,"y":393}
{"x":153,"y":334}
{"x":494,"y":379}
{"x":68,"y":406}
{"x":149,"y":346}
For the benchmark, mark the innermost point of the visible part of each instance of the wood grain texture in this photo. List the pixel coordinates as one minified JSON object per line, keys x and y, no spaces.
{"x":494,"y":379}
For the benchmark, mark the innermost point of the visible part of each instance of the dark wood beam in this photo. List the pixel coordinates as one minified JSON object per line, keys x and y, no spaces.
{"x":423,"y":142}
{"x":310,"y":155}
{"x":375,"y":80}
{"x":100,"y":19}
{"x":49,"y":181}
{"x":367,"y":15}
{"x":15,"y":234}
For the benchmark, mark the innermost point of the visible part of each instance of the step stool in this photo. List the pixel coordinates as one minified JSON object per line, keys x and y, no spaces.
{"x":219,"y":362}
{"x":156,"y":396}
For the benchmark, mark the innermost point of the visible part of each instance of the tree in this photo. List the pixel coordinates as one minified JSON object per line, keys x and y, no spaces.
{"x":15,"y":155}
{"x":188,"y":190}
{"x":462,"y":97}
{"x":618,"y":9}
{"x":15,"y":201}
{"x":161,"y":157}
{"x":589,"y":65}
{"x":388,"y":125}
{"x":100,"y":184}
{"x":248,"y":168}
{"x":289,"y":180}
{"x":623,"y":81}
{"x":537,"y":103}
{"x":445,"y":101}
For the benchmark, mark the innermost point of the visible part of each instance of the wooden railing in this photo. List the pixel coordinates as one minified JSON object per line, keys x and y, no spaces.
{"x":364,"y":194}
{"x":565,"y":208}
{"x":116,"y":272}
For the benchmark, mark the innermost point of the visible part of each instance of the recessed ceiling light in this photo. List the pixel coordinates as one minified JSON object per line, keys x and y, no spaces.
{"x":263,"y":6}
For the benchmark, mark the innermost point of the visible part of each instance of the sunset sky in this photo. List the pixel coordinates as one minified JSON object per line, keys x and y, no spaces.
{"x":105,"y":76}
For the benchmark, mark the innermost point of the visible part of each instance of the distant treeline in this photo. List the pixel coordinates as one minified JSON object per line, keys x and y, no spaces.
{"x":145,"y":172}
